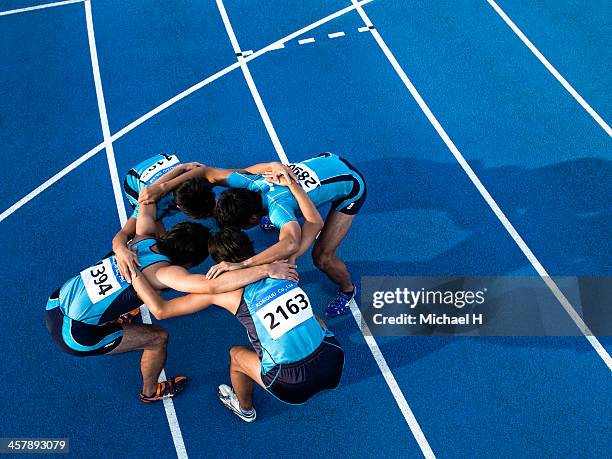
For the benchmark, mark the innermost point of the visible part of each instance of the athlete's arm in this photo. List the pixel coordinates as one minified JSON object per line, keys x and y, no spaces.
{"x":178,"y":278}
{"x":177,"y":171}
{"x":126,"y":258}
{"x":164,"y":309}
{"x":287,"y":245}
{"x":313,"y":223}
{"x":146,"y":225}
{"x":212,"y":175}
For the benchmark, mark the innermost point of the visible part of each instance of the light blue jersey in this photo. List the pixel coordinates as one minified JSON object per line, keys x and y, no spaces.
{"x":280,"y":322}
{"x":146,"y":173}
{"x":100,"y":294}
{"x":326,"y":178}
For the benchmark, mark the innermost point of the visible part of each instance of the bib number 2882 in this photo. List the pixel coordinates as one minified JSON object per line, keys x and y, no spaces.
{"x":285,"y":312}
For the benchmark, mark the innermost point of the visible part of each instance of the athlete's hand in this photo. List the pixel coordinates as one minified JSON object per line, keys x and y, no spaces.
{"x":283,"y":270}
{"x":224,"y":266}
{"x":127,"y":260}
{"x":284,"y":177}
{"x":150,"y":194}
{"x":134,"y":273}
{"x":276,"y":169}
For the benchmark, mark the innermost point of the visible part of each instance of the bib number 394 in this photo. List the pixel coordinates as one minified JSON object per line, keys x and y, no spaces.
{"x":102,"y":280}
{"x":307,"y":177}
{"x":286,"y":312}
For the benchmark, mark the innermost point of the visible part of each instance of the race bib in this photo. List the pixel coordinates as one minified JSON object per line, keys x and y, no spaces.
{"x":284,"y":309}
{"x":155,"y":171}
{"x":103,"y":279}
{"x":307,"y":177}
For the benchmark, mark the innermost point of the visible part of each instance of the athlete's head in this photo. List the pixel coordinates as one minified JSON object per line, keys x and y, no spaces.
{"x":195,"y":198}
{"x":238,"y":208}
{"x":186,"y":244}
{"x":230,"y":244}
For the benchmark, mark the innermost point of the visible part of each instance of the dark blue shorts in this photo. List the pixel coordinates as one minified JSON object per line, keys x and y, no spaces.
{"x":296,"y":382}
{"x":78,"y":338}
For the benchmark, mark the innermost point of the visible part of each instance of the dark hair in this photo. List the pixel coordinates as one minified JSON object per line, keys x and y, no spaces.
{"x":236,"y":206}
{"x":230,"y":244}
{"x":195,"y":198}
{"x":185,"y":244}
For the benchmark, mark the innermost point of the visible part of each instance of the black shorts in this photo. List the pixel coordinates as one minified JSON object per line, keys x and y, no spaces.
{"x":78,"y":338}
{"x":352,"y":203}
{"x":296,"y":382}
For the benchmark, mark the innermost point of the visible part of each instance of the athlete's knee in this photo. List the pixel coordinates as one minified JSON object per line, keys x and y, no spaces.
{"x":235,"y":353}
{"x":159,"y":336}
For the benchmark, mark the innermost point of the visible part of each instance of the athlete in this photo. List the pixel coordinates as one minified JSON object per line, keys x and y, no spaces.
{"x":294,"y":355}
{"x":196,"y":195}
{"x":326,"y":178}
{"x":90,"y":314}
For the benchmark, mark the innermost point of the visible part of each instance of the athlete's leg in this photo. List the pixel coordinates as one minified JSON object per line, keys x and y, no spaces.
{"x":245,"y":368}
{"x":153,"y":340}
{"x":324,"y":255}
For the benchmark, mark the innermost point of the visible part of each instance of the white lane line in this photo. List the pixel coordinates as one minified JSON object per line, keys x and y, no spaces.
{"x":249,"y":79}
{"x":304,"y":41}
{"x":550,"y":68}
{"x":39,"y":7}
{"x":175,"y":429}
{"x":278,"y":44}
{"x":371,"y":342}
{"x":108,"y":144}
{"x":411,"y":420}
{"x":336,"y":34}
{"x":50,"y":181}
{"x":486,"y":195}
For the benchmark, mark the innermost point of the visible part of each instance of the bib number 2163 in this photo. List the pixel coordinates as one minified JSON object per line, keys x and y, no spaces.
{"x":285,"y":312}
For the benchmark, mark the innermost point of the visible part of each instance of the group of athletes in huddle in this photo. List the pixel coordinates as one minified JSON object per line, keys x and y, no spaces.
{"x":293,"y":355}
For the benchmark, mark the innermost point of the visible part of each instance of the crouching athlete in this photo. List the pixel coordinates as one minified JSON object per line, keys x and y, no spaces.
{"x":90,"y":314}
{"x":294,"y":355}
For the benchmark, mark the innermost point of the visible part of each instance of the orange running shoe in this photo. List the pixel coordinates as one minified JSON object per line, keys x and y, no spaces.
{"x":166,"y":389}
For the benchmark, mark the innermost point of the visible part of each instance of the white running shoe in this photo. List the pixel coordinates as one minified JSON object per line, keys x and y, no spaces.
{"x":229,"y":399}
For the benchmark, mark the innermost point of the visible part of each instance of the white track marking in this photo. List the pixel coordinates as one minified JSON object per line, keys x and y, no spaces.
{"x":248,"y":52}
{"x":39,"y":7}
{"x":249,"y":79}
{"x":108,"y":144}
{"x":363,"y":29}
{"x":371,"y":342}
{"x":39,"y":189}
{"x":601,"y":351}
{"x":411,"y":420}
{"x":336,"y":34}
{"x":305,"y":41}
{"x":278,"y":44}
{"x":175,"y":430}
{"x":550,"y":68}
